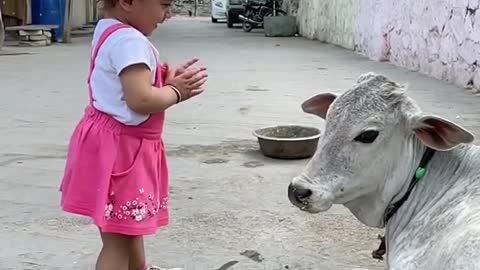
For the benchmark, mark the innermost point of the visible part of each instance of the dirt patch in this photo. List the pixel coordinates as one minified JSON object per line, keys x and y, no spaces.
{"x":227,"y":265}
{"x":221,"y":149}
{"x":256,"y":89}
{"x":43,"y":225}
{"x":253,"y":164}
{"x":215,"y":161}
{"x":21,"y":158}
{"x":244,"y":110}
{"x":39,"y":152}
{"x":252,"y":255}
{"x":66,"y":224}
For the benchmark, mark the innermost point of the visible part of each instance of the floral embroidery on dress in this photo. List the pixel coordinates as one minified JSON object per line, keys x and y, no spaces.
{"x":136,"y":209}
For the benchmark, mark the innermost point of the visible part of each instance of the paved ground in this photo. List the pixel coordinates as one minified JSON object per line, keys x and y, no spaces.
{"x":226,"y":197}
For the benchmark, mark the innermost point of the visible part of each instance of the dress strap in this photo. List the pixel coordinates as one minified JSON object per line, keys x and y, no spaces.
{"x":110,"y":30}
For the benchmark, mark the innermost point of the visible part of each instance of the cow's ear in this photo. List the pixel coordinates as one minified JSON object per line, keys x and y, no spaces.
{"x":319,"y":104}
{"x":441,"y":134}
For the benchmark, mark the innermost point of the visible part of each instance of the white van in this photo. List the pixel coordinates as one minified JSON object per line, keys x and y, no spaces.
{"x":218,"y":10}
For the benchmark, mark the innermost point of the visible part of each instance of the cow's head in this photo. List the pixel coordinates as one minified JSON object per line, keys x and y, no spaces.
{"x":373,"y":141}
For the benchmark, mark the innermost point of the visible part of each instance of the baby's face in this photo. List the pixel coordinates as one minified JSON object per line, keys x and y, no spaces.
{"x":145,"y":15}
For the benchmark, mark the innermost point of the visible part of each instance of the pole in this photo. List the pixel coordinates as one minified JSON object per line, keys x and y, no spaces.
{"x":195,"y":8}
{"x":95,"y":11}
{"x":274,"y":8}
{"x":67,"y":29}
{"x":87,"y":11}
{"x":2,"y":31}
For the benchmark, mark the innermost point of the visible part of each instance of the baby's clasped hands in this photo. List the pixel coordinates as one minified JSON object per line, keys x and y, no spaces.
{"x":186,"y":81}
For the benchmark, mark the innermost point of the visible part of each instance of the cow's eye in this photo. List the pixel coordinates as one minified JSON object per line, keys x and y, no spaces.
{"x":367,"y":136}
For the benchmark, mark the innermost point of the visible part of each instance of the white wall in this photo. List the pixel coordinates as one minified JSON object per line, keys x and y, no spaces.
{"x":329,"y":21}
{"x":78,"y":13}
{"x":440,"y":38}
{"x":436,"y":37}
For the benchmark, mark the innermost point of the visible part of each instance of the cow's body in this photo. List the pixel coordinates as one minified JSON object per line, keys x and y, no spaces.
{"x":373,"y":144}
{"x":438,"y":227}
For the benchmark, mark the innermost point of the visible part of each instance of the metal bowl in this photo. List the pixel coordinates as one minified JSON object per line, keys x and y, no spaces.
{"x":288,"y":142}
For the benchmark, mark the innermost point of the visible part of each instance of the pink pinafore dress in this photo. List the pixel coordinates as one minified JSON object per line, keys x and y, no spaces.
{"x":114,"y":173}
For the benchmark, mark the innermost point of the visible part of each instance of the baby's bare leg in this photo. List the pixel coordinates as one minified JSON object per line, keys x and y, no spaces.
{"x":137,"y":254}
{"x":115,"y":252}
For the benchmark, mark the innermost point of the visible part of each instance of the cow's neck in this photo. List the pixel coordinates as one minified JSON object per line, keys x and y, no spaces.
{"x":439,"y":178}
{"x":370,"y":209}
{"x":419,"y":174}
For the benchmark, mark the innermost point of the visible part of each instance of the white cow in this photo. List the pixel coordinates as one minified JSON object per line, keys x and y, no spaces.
{"x":379,"y":151}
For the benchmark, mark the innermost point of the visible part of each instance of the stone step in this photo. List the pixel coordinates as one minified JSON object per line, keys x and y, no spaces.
{"x":30,"y":27}
{"x":33,"y":35}
{"x":38,"y":43}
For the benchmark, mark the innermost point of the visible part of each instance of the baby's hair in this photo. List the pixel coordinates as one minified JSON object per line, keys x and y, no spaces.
{"x":107,"y":4}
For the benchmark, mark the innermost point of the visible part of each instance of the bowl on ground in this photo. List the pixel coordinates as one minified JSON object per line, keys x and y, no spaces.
{"x":288,"y":141}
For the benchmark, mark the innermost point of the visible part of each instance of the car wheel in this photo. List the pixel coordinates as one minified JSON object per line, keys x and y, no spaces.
{"x":247,"y":27}
{"x":229,"y":21}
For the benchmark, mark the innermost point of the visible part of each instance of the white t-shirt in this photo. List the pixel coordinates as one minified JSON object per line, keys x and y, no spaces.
{"x":121,"y":49}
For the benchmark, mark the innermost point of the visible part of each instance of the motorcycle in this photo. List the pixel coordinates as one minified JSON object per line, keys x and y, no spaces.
{"x":256,"y":10}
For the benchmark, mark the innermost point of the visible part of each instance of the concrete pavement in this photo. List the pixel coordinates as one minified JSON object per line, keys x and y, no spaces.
{"x":228,"y":201}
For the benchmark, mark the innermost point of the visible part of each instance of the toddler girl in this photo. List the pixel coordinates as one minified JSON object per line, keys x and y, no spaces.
{"x":116,"y":171}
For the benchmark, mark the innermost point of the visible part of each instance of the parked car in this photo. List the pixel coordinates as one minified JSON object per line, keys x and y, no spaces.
{"x":233,"y":9}
{"x":218,"y":10}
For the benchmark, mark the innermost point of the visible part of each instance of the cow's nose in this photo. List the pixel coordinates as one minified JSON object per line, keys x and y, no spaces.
{"x":298,"y":194}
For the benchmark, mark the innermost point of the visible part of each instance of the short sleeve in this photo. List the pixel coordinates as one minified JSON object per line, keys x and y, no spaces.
{"x":129,"y":51}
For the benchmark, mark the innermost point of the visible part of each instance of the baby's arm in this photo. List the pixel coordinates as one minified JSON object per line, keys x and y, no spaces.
{"x":140,"y":96}
{"x":133,"y":60}
{"x":144,"y":98}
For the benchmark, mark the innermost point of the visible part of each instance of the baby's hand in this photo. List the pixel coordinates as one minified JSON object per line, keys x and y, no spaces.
{"x":182,"y":68}
{"x":189,"y":83}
